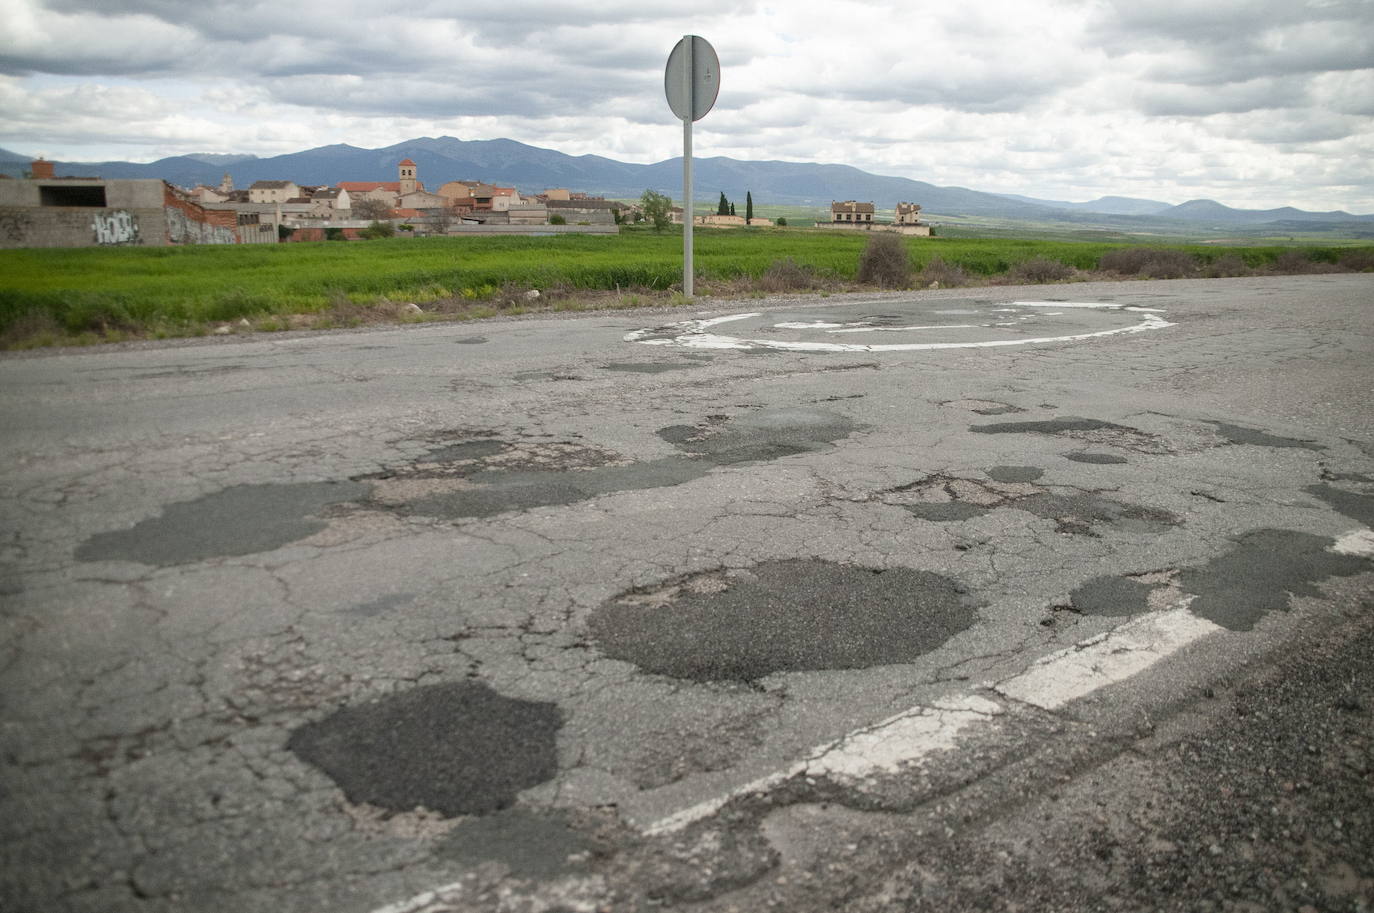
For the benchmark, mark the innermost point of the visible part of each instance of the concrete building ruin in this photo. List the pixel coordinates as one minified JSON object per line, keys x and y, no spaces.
{"x":48,"y":211}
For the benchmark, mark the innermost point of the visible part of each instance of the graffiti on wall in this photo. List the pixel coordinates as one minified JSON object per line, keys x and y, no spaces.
{"x":182,"y":228}
{"x":115,"y":226}
{"x":14,"y":225}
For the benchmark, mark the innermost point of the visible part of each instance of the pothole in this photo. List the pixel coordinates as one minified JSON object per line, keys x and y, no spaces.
{"x":524,"y":475}
{"x":944,"y":499}
{"x":783,"y":616}
{"x":1089,"y":430}
{"x":241,"y":520}
{"x":455,"y":749}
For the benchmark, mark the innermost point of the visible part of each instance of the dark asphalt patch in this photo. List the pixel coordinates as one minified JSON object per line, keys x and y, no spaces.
{"x":649,"y":367}
{"x":455,"y":749}
{"x":1015,"y":474}
{"x":1348,"y":503}
{"x":1258,"y":575}
{"x":1112,"y":596}
{"x":470,"y":340}
{"x":999,"y":410}
{"x":1050,"y":426}
{"x":1099,"y":459}
{"x":1238,"y":434}
{"x":1090,"y":430}
{"x":531,"y":845}
{"x":783,"y":616}
{"x":242,"y":520}
{"x":946,"y":511}
{"x":765,"y":435}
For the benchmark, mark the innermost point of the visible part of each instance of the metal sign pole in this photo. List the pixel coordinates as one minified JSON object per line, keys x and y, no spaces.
{"x":691,"y":86}
{"x":688,"y":87}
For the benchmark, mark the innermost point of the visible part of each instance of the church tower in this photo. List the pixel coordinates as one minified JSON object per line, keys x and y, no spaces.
{"x":226,"y":184}
{"x":406,"y":172}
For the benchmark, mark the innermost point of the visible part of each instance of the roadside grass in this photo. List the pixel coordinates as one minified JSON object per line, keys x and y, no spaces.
{"x":75,"y":296}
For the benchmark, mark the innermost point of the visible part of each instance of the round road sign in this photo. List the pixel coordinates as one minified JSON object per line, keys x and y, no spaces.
{"x":692,"y":78}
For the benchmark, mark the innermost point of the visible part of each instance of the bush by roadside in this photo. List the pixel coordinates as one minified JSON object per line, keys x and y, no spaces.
{"x":1150,"y":262}
{"x":946,"y":274}
{"x":1040,"y":269}
{"x":885,"y":262}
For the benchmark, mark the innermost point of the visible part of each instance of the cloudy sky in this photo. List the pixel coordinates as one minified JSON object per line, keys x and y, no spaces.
{"x":1256,"y":103}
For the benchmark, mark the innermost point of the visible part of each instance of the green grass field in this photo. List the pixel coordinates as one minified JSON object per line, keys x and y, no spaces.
{"x":89,"y":294}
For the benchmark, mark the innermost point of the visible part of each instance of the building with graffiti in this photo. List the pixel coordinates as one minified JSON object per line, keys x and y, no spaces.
{"x":48,"y":211}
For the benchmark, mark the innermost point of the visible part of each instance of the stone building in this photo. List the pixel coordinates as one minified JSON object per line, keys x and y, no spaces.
{"x":851,"y":213}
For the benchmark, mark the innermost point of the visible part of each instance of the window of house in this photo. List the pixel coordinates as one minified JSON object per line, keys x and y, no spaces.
{"x":71,"y":195}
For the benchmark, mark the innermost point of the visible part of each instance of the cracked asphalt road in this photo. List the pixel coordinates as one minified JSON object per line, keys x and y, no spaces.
{"x":544,"y":619}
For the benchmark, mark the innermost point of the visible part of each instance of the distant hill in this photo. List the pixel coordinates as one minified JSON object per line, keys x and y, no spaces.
{"x":1212,"y":211}
{"x":531,"y":169}
{"x":1115,"y":206}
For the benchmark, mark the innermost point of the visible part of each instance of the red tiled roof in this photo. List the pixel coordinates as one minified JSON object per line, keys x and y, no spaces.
{"x":405,"y":214}
{"x":366,"y":186}
{"x":407,"y":162}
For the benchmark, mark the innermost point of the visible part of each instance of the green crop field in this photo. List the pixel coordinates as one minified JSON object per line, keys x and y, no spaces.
{"x":89,"y":294}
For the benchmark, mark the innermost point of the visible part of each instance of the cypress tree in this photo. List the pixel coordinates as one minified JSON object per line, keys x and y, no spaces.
{"x":723,"y":209}
{"x":748,"y":207}
{"x":732,"y":209}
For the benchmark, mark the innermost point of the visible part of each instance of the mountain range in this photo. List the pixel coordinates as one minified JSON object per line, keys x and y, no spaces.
{"x":531,"y":169}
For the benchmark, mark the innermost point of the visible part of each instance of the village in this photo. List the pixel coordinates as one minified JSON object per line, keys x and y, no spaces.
{"x":45,"y":210}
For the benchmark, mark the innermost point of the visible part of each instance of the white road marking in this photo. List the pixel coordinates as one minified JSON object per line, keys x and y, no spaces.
{"x":1106,"y":659}
{"x":862,"y":327}
{"x":1358,"y":542}
{"x":883,"y":747}
{"x":938,"y":326}
{"x":691,"y":333}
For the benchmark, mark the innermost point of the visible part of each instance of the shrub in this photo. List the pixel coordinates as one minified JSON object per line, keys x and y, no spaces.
{"x":786,"y":275}
{"x":782,"y":222}
{"x":1127,"y":261}
{"x":1153,"y":262}
{"x":378,"y":230}
{"x":1293,"y":261}
{"x":1226,"y":265}
{"x":334,"y":234}
{"x":1169,"y":264}
{"x":885,"y":262}
{"x":1361,"y":261}
{"x":949,"y":276}
{"x":1041,"y":269}
{"x":557,"y":219}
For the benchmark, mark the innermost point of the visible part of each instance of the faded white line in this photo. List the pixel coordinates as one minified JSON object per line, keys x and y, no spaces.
{"x":862,"y":327}
{"x":691,"y":334}
{"x":886,"y":746}
{"x":1101,"y":305}
{"x":1106,"y":659}
{"x":1358,"y":542}
{"x":938,"y":326}
{"x":911,"y":736}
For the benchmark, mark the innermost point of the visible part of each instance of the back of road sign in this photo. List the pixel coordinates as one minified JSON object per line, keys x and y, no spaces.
{"x":692,"y":79}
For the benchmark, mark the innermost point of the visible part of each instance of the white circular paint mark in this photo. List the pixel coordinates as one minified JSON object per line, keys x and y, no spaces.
{"x":692,"y":334}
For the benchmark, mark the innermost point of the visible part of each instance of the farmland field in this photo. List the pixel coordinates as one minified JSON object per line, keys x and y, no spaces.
{"x":90,"y":294}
